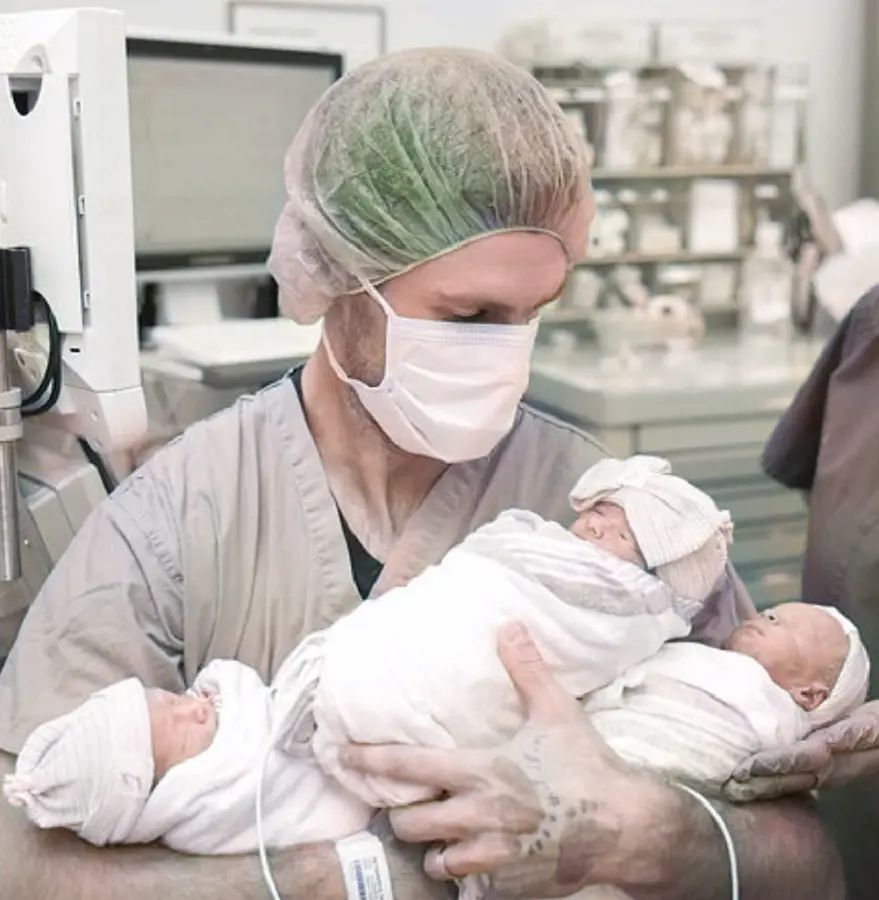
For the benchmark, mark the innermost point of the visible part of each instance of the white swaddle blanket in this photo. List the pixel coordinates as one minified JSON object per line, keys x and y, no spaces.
{"x":417,"y":666}
{"x":420,"y":665}
{"x":206,"y":805}
{"x":693,"y":713}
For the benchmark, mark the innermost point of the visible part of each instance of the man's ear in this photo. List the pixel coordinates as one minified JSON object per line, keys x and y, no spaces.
{"x":811,"y":697}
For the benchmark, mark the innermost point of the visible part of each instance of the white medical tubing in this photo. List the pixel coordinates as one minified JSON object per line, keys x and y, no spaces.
{"x":727,"y":837}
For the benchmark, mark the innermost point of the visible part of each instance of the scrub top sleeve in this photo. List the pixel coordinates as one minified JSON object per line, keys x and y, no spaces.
{"x":112,"y":608}
{"x":847,"y":367}
{"x":791,"y":454}
{"x":725,"y":609}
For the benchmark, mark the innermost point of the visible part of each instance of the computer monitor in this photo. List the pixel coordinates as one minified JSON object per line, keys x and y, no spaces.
{"x":210,"y":124}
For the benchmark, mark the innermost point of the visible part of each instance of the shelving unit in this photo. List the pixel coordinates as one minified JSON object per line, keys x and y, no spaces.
{"x":653,"y":103}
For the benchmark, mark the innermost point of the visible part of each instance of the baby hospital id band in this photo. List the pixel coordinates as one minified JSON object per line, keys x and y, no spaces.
{"x":365,"y":867}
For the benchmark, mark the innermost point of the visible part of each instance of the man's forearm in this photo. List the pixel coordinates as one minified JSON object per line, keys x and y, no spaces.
{"x":56,"y":865}
{"x":783,"y":854}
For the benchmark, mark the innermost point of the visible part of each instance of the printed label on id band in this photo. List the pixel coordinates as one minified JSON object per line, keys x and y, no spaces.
{"x":365,"y":876}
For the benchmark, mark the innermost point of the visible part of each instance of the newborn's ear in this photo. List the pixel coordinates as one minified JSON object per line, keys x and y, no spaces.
{"x":811,"y":697}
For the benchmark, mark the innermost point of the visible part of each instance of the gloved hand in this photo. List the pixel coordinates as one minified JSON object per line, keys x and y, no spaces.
{"x":827,"y":758}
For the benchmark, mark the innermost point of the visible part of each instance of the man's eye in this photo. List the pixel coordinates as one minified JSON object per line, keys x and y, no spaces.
{"x":478,"y":316}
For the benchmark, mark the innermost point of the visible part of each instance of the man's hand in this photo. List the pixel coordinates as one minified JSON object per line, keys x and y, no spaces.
{"x":829,"y":757}
{"x":551,"y":812}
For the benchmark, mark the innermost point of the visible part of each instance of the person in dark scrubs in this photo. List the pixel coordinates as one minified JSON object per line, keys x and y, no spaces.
{"x":827,"y":446}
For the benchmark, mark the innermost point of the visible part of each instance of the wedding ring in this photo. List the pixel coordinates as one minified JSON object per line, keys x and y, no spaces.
{"x":442,"y":867}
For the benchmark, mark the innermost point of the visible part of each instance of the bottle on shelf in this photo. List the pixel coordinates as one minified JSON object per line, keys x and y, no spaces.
{"x":766,"y":294}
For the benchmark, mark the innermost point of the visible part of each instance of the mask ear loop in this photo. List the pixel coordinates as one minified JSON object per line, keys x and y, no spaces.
{"x":374,"y":294}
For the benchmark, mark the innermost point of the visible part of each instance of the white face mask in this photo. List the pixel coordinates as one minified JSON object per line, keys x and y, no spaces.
{"x":451,"y":389}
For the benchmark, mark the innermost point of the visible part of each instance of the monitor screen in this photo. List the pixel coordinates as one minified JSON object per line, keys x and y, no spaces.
{"x":210,"y":125}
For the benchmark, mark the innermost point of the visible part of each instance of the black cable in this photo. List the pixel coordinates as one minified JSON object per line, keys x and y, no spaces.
{"x":38,"y":300}
{"x":50,"y":386}
{"x":51,"y":381}
{"x":107,"y":479}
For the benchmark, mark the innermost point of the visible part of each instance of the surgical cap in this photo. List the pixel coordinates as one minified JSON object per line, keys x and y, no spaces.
{"x":411,"y":156}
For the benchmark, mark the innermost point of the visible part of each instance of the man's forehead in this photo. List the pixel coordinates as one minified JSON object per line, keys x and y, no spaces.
{"x":502,"y":294}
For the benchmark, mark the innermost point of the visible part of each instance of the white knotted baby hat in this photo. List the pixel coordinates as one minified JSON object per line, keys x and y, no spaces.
{"x":91,"y":770}
{"x":682,"y":535}
{"x":853,"y":682}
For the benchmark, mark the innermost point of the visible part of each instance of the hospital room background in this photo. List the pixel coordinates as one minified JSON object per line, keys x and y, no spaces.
{"x":733,"y":150}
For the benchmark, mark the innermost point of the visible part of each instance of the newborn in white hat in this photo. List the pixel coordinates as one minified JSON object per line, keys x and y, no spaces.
{"x":136,"y":765}
{"x":637,"y":510}
{"x":814,"y":653}
{"x":92,"y":770}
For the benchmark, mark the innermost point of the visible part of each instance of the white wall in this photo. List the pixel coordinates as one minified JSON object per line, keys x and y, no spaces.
{"x":826,"y":34}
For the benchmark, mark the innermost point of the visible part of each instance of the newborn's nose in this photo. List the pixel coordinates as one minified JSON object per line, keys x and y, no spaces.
{"x":196,"y":710}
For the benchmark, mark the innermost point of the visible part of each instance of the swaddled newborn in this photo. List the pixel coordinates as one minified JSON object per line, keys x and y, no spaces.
{"x":694,"y":713}
{"x":416,"y":666}
{"x":136,"y":765}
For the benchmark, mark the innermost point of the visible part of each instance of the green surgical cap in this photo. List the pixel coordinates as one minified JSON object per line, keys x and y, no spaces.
{"x":415,"y":154}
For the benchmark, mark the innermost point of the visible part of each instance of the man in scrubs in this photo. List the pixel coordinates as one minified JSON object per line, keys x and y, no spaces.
{"x":437,"y":200}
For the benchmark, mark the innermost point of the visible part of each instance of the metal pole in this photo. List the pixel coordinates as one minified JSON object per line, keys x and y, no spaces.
{"x":10,"y":432}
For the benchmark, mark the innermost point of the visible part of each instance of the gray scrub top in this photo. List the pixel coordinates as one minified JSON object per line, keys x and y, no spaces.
{"x":228,"y":544}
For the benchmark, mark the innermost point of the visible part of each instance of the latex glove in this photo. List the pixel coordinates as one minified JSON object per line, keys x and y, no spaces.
{"x":545,"y":815}
{"x":825,"y":759}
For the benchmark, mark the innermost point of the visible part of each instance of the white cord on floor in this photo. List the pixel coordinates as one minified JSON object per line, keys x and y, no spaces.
{"x":727,"y":837}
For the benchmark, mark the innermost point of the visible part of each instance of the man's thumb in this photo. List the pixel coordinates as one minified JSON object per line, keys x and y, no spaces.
{"x":545,"y":700}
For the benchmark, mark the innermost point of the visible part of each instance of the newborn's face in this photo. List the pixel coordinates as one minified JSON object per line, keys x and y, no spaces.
{"x":801,"y":647}
{"x":182,"y":727}
{"x":606,"y":526}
